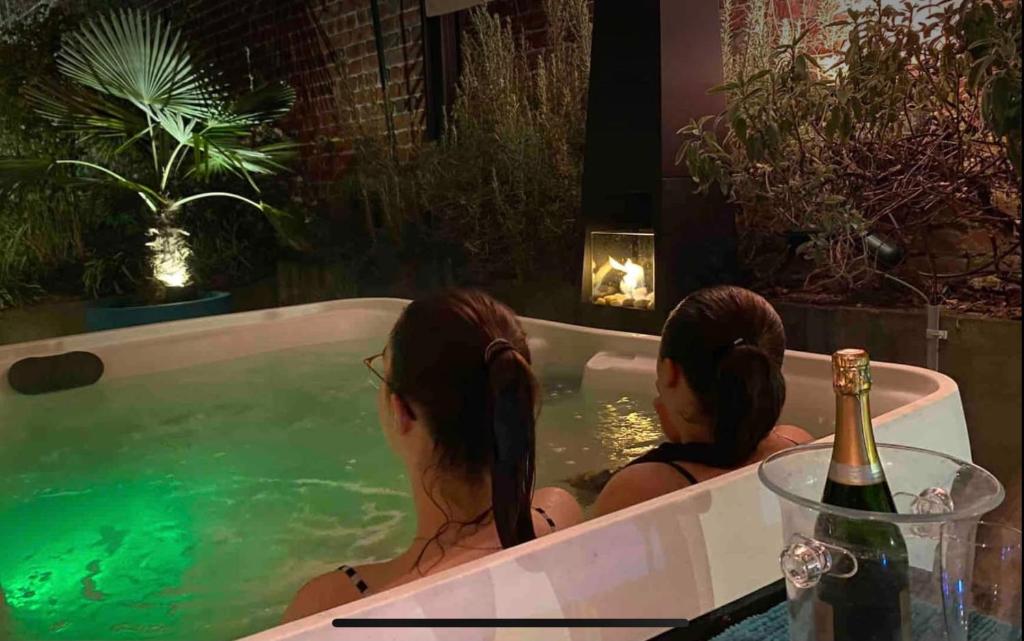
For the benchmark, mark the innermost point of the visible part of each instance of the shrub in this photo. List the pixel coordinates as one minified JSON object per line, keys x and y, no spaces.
{"x":912,"y":127}
{"x":503,"y":183}
{"x":53,"y":238}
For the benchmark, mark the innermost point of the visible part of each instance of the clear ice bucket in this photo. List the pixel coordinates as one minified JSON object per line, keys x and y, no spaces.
{"x":963,"y":577}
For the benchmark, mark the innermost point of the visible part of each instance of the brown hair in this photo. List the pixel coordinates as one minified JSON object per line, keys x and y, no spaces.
{"x":463,"y":358}
{"x":730,"y":343}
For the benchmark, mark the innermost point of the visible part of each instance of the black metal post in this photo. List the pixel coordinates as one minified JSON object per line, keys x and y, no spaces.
{"x":378,"y":38}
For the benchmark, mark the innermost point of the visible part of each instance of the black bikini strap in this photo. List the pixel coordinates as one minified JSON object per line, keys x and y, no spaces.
{"x":682,"y":470}
{"x":544,"y":515}
{"x":354,"y":577}
{"x":674,"y":454}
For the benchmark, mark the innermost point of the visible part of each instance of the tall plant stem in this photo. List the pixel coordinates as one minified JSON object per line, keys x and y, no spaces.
{"x":152,"y":143}
{"x":170,"y":166}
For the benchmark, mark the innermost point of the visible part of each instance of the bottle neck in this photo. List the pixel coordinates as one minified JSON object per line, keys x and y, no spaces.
{"x":854,"y":454}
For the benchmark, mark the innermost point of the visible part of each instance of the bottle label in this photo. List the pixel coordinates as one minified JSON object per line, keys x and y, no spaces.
{"x":855,"y":474}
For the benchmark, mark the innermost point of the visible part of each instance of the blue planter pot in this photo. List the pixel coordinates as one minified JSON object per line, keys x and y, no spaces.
{"x":115,"y":314}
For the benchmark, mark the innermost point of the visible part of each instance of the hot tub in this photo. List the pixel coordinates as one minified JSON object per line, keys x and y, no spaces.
{"x":221,"y":461}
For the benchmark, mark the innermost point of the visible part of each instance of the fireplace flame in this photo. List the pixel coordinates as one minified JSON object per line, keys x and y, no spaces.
{"x":621,"y":270}
{"x":633,"y":278}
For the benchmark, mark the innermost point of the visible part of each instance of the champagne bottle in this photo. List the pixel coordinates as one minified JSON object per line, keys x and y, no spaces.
{"x":873,"y":604}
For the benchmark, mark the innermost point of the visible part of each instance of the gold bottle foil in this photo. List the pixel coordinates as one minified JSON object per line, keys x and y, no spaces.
{"x":854,"y":454}
{"x":851,"y":372}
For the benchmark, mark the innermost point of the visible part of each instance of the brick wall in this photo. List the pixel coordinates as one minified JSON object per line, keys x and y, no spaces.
{"x":325,"y":49}
{"x":783,"y":8}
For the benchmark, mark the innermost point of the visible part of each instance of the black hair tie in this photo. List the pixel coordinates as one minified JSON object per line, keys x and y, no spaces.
{"x":724,"y":350}
{"x":497,"y":347}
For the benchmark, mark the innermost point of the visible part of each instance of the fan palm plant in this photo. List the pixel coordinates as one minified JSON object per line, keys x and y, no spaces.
{"x":134,"y":84}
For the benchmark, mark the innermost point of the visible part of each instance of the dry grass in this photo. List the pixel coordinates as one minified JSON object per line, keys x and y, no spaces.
{"x":503,"y":183}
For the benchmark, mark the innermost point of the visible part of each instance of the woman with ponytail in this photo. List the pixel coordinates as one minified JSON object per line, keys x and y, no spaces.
{"x":458,"y":403}
{"x":720,"y":394}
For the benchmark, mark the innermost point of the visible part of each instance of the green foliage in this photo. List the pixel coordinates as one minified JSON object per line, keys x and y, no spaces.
{"x":503,"y":183}
{"x":916,"y":127}
{"x":993,"y":35}
{"x":233,"y":243}
{"x":134,"y":81}
{"x":136,"y":91}
{"x":753,"y":30}
{"x":507,"y":176}
{"x":46,"y":230}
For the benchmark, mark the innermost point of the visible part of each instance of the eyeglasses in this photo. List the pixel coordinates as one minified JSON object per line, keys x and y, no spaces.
{"x":369,"y":362}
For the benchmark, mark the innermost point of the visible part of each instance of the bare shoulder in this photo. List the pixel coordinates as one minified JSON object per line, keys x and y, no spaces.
{"x":636,"y":484}
{"x":559,"y":505}
{"x":795,"y":434}
{"x":324,"y":592}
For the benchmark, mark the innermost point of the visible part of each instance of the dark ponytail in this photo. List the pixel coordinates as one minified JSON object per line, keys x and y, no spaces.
{"x":512,"y":390}
{"x":749,"y":392}
{"x":729,"y":343}
{"x":463,"y":359}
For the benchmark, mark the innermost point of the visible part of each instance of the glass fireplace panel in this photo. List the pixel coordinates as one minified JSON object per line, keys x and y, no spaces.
{"x":622,"y":269}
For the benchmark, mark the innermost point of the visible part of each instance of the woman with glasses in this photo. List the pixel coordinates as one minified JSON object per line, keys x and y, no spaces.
{"x":458,"y":403}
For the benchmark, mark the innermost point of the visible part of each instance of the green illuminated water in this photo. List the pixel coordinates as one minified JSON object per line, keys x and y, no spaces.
{"x":192,"y":504}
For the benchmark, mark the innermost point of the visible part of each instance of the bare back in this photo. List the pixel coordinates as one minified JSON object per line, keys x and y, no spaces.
{"x":644,"y":481}
{"x":781,"y":438}
{"x":554,"y":509}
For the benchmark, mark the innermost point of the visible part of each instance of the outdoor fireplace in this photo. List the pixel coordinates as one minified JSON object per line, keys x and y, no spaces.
{"x":621,"y":269}
{"x":647,"y":238}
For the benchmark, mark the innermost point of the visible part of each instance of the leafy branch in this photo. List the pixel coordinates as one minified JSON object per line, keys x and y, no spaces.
{"x":908,"y":123}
